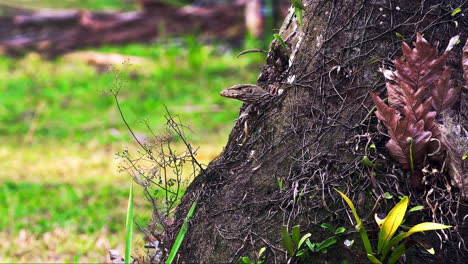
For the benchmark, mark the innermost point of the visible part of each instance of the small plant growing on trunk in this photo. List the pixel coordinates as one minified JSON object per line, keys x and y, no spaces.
{"x":391,"y":246}
{"x":419,"y":91}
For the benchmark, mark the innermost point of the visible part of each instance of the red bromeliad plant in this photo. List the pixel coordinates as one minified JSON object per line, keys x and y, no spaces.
{"x":419,"y":91}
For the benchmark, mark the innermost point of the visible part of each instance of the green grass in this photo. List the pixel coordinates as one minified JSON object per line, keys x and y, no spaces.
{"x":66,"y":202}
{"x":75,"y":4}
{"x":75,"y":107}
{"x":64,"y":222}
{"x":43,"y":207}
{"x":61,"y":196}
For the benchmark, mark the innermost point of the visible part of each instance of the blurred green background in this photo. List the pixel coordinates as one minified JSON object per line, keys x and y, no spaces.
{"x":62,"y":198}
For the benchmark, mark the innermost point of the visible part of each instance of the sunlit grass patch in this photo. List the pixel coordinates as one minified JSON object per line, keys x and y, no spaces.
{"x":62,"y":245}
{"x":43,"y":207}
{"x":66,"y":99}
{"x":76,"y":4}
{"x":63,"y":162}
{"x":65,"y":223}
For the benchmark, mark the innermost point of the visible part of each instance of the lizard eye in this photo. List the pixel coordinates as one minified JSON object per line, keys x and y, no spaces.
{"x":250,"y":90}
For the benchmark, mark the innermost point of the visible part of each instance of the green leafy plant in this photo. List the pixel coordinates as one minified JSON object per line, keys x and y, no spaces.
{"x":335,"y":231}
{"x":387,"y":238}
{"x":293,"y":243}
{"x":281,"y":41}
{"x":455,"y":11}
{"x":298,"y":8}
{"x":419,"y":90}
{"x":280,"y":182}
{"x":260,"y":258}
{"x":322,"y":246}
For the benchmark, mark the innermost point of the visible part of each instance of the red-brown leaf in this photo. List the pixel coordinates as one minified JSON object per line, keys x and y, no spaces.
{"x":418,"y":90}
{"x":443,"y":94}
{"x":400,"y":129}
{"x":420,"y":69}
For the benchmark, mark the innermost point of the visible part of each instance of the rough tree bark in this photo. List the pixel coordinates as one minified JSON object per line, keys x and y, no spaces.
{"x":313,"y":134}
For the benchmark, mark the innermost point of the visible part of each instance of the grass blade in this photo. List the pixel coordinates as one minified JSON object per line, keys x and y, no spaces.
{"x":359,"y":227}
{"x":129,"y":226}
{"x":181,"y":235}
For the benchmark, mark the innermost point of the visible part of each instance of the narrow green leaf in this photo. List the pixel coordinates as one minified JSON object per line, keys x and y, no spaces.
{"x":340,"y":230}
{"x":287,"y":241}
{"x":261,"y":252}
{"x":372,"y":61}
{"x":420,"y":228}
{"x":387,"y":195}
{"x":328,"y":242}
{"x":280,"y":183}
{"x":351,"y":205}
{"x":367,"y":162}
{"x":373,"y":259}
{"x":329,"y":227}
{"x":397,"y":253}
{"x":129,"y":227}
{"x":301,"y":252}
{"x":296,"y":235}
{"x":181,"y":235}
{"x":298,"y":13}
{"x":303,"y":239}
{"x":400,"y":36}
{"x":281,"y":41}
{"x":299,"y":4}
{"x":416,"y":208}
{"x":245,"y":260}
{"x":415,"y":229}
{"x":456,"y":11}
{"x":359,"y":227}
{"x":391,"y":223}
{"x":465,"y":156}
{"x":310,"y":245}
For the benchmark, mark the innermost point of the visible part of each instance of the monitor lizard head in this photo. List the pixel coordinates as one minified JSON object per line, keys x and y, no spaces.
{"x":249,"y":93}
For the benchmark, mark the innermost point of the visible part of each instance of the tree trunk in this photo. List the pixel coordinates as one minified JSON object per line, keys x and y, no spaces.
{"x":311,"y":137}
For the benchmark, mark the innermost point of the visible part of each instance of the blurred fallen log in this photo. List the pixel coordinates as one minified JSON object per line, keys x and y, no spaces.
{"x":53,"y":34}
{"x":105,"y":60}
